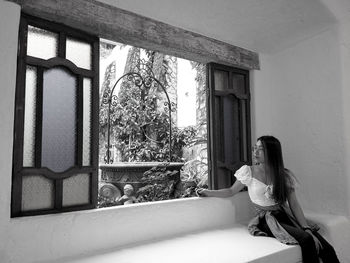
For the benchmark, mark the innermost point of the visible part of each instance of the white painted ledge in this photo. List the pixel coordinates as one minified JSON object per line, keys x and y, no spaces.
{"x":227,"y":245}
{"x":190,"y":230}
{"x":203,"y":230}
{"x":90,"y":232}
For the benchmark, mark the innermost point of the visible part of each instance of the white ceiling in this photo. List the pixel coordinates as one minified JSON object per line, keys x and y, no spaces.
{"x":265,"y":26}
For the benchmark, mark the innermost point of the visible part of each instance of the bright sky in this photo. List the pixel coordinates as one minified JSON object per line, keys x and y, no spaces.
{"x":186,"y":93}
{"x":186,"y":84}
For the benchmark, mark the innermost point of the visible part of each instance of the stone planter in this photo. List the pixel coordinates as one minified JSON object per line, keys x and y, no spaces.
{"x":120,"y":174}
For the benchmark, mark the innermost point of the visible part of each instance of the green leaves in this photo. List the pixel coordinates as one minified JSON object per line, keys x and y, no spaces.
{"x":160,"y":184}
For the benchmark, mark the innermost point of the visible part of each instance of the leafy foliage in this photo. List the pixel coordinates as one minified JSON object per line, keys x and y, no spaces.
{"x":140,"y":129}
{"x":160,"y":184}
{"x":105,"y":202}
{"x":141,"y":132}
{"x":140,"y":126}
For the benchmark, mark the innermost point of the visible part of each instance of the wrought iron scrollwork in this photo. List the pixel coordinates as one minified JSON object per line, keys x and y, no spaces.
{"x":143,"y":78}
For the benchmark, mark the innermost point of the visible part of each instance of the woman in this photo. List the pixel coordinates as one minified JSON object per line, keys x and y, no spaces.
{"x":270,"y":187}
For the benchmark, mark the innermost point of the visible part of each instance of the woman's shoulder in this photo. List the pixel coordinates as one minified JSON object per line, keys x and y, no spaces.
{"x":244,"y":174}
{"x":245,"y":169}
{"x":290,"y":175}
{"x":292,"y":181}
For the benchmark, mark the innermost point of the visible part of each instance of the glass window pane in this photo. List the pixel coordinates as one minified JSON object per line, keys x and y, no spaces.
{"x":37,"y":193}
{"x":41,"y":43}
{"x":59,"y":119}
{"x":76,"y":190}
{"x":86,"y":121}
{"x":29,"y":117}
{"x":221,"y":80}
{"x":79,"y":52}
{"x":238,"y":83}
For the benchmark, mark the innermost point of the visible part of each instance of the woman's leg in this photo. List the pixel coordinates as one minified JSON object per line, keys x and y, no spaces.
{"x":264,"y":227}
{"x":327,"y":253}
{"x":305,"y":240}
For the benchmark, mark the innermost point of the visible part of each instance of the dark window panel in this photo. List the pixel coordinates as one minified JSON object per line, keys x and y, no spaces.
{"x":55,"y":110}
{"x":229,"y":119}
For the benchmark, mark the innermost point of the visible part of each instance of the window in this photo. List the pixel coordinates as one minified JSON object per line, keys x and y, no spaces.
{"x":58,"y":127}
{"x":153,"y":125}
{"x":229,"y":123}
{"x":56,"y":136}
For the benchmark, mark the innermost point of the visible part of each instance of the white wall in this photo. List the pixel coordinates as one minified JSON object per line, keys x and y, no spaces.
{"x":300,"y":96}
{"x":9,"y":22}
{"x":344,"y":32}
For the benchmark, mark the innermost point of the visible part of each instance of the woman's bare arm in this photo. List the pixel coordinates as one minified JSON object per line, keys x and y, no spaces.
{"x":296,"y":209}
{"x":226,"y":192}
{"x":300,"y":217}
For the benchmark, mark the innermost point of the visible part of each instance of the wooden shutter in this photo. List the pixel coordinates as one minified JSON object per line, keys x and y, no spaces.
{"x":55,"y":155}
{"x":229,"y":123}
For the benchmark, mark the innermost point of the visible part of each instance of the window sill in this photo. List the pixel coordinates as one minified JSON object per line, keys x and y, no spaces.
{"x":141,"y":227}
{"x":83,"y":232}
{"x":225,"y":245}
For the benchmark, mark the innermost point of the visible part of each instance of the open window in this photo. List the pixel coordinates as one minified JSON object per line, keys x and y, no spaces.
{"x":153,"y":125}
{"x":61,"y":139}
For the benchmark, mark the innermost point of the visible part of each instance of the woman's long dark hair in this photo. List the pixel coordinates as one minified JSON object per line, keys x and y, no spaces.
{"x":280,"y":176}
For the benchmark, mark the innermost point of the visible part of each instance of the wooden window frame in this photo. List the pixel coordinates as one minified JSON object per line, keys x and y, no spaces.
{"x":18,"y":170}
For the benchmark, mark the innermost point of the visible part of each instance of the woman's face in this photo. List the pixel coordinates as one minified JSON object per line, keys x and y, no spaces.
{"x":258,"y":153}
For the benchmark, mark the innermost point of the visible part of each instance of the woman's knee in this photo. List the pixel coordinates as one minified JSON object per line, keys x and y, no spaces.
{"x":306,"y":239}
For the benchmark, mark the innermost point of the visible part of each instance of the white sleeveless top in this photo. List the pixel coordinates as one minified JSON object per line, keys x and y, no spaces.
{"x":259,"y":192}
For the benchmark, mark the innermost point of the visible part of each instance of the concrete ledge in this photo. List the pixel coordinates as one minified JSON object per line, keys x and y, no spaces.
{"x":232,"y":244}
{"x":191,"y":230}
{"x":92,"y":231}
{"x":225,"y":240}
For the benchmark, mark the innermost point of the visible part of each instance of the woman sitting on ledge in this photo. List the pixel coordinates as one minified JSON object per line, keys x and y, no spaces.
{"x":270,"y":186}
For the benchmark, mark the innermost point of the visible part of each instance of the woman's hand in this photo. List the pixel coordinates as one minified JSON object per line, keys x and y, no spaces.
{"x":317,"y":242}
{"x":201,"y":192}
{"x":226,"y":192}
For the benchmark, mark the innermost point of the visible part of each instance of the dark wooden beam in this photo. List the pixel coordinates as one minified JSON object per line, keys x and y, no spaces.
{"x":119,"y":25}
